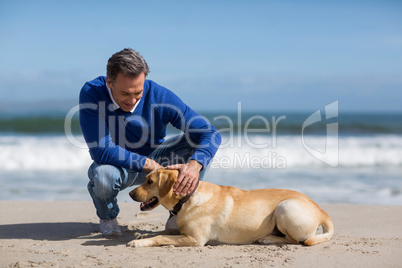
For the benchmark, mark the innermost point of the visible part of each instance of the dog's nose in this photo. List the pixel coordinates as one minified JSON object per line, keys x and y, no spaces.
{"x":132,"y":195}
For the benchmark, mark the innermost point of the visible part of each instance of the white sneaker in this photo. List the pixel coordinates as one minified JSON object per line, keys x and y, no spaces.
{"x":110,"y":228}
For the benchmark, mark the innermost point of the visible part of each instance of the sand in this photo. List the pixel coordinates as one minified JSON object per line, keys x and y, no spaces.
{"x":65,"y":234}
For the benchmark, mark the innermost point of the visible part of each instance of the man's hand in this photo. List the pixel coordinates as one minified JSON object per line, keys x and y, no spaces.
{"x":151,"y":165}
{"x":188,"y":176}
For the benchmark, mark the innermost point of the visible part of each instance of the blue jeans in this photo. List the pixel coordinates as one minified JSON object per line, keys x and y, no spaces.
{"x":106,"y":181}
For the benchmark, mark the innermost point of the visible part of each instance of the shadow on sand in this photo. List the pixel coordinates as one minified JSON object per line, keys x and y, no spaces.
{"x":66,"y":231}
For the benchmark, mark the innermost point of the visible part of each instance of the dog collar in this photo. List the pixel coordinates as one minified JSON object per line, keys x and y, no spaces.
{"x":181,"y":202}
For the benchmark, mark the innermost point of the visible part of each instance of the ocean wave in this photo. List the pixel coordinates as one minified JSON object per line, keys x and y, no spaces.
{"x":281,"y":123}
{"x":237,"y":153}
{"x":312,"y":151}
{"x":41,"y":153}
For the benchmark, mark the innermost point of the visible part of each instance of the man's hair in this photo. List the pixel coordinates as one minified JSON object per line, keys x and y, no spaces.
{"x":128,"y":62}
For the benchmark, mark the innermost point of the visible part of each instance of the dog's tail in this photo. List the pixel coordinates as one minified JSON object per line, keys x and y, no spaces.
{"x":328,"y":226}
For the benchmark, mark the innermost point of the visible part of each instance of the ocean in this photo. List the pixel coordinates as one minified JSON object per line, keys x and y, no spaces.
{"x":343,"y":158}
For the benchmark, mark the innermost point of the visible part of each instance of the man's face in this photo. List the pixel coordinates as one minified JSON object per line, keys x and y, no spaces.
{"x":126,"y":91}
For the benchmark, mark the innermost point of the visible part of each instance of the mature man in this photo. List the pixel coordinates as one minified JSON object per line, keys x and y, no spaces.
{"x":124,"y":118}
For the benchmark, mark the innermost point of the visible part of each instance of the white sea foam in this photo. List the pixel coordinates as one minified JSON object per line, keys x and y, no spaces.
{"x":289,"y":152}
{"x":41,"y":153}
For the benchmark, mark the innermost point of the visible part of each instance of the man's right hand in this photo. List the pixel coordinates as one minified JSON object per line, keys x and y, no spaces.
{"x":151,"y":165}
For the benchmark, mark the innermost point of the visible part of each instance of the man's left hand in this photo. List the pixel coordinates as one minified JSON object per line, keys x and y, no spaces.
{"x":188,"y":176}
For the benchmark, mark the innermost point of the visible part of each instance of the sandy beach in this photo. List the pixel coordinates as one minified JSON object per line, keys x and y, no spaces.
{"x":65,"y":234}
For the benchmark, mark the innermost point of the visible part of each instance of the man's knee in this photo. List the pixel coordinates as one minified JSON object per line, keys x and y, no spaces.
{"x":103,"y":179}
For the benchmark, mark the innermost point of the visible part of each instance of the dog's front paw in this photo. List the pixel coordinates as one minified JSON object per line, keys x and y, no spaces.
{"x":138,"y":235}
{"x":134,"y":244}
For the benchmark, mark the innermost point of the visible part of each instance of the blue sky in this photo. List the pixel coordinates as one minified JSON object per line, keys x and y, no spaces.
{"x":270,"y":55}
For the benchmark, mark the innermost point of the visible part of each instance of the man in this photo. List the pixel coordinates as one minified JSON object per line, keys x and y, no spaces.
{"x":124,"y":118}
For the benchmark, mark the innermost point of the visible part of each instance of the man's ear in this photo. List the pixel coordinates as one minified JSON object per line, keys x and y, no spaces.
{"x":108,"y":82}
{"x":167,"y":179}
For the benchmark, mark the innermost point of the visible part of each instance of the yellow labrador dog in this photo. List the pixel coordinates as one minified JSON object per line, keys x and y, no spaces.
{"x":231,"y":215}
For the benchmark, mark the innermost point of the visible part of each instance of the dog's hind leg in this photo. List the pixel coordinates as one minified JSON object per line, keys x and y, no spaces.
{"x":295,"y":220}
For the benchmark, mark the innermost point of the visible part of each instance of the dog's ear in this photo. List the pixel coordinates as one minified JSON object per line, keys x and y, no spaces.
{"x":167,"y":179}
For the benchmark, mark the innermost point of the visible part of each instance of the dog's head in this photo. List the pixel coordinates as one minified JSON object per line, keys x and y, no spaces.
{"x":157,"y":189}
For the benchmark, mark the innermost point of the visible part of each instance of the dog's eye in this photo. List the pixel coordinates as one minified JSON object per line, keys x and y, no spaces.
{"x":149,"y":181}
